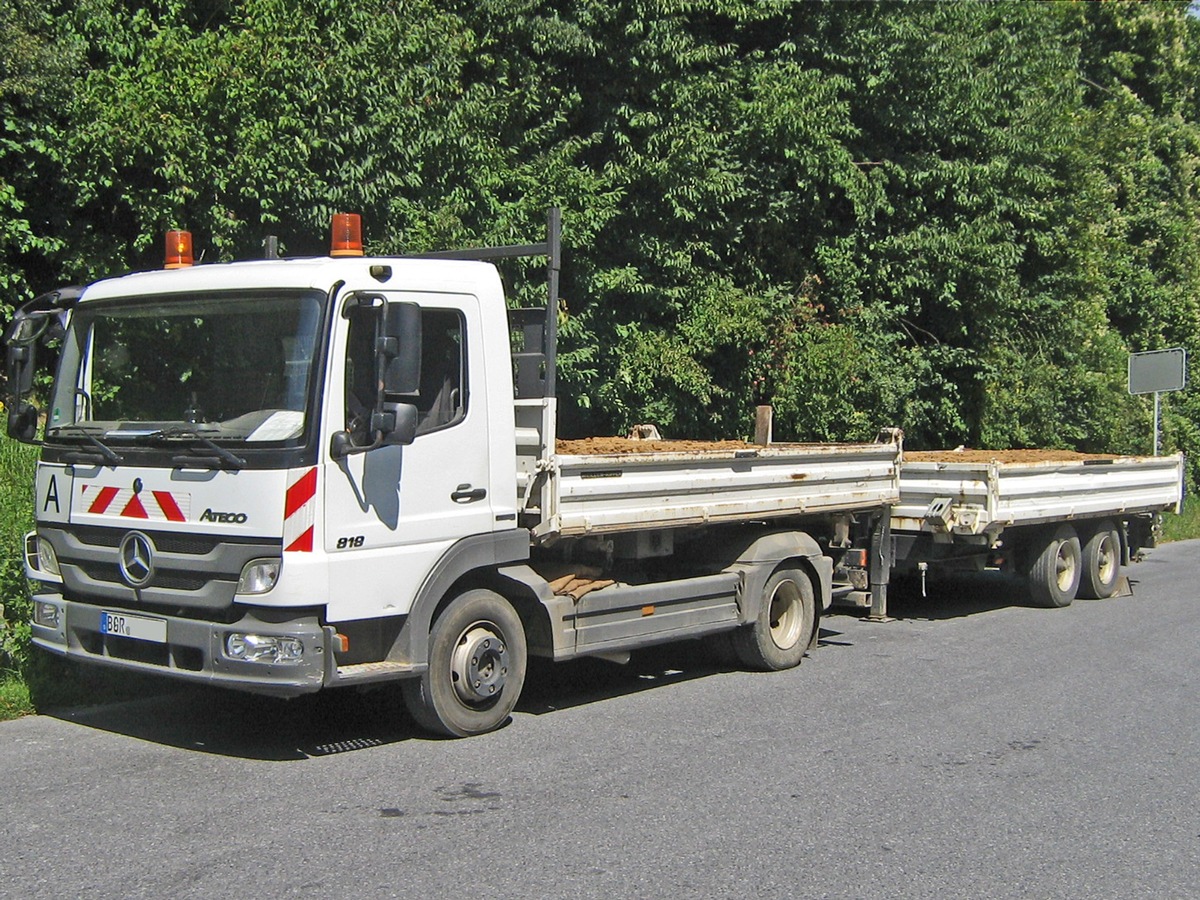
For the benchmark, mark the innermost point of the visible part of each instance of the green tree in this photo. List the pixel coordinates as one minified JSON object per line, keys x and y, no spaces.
{"x":35,"y":68}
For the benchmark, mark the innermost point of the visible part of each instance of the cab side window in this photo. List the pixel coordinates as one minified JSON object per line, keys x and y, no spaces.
{"x":442,"y":400}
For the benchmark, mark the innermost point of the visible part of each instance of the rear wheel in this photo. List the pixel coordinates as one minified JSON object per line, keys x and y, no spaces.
{"x":1101,"y":563}
{"x":1055,"y":571}
{"x":783,"y":630}
{"x":477,"y":662}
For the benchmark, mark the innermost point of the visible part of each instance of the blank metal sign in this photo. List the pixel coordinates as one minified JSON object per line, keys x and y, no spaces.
{"x":1158,"y":370}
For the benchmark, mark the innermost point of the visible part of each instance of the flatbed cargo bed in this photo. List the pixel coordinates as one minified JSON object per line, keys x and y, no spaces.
{"x":611,"y":485}
{"x":983,"y":491}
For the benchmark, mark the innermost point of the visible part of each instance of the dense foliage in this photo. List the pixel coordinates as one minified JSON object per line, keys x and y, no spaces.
{"x":958,"y":218}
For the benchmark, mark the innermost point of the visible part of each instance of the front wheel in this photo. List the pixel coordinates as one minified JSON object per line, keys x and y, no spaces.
{"x":477,"y":662}
{"x":1055,"y":572}
{"x":1101,"y":563}
{"x":780,"y":635}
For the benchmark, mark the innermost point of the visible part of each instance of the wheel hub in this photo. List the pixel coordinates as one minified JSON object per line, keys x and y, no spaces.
{"x":786,"y":615}
{"x":1064,"y":569}
{"x":479,"y":666}
{"x":1107,"y":561}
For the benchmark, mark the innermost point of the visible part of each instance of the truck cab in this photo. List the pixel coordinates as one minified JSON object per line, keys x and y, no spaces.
{"x":204,"y":465}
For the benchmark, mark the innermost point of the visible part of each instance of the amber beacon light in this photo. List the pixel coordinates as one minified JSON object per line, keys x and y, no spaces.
{"x":179,"y":249}
{"x":347,"y":235}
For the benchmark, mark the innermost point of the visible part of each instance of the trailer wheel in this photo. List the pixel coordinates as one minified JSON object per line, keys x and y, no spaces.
{"x":780,"y":636}
{"x":1101,"y":563}
{"x":1054,"y":573}
{"x":477,"y":661}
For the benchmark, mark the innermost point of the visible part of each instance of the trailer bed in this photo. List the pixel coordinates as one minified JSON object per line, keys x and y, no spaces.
{"x":631,"y":485}
{"x":982,"y":492}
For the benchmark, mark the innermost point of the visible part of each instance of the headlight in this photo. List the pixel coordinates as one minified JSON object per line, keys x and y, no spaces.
{"x":40,"y":559}
{"x":264,"y":648}
{"x":47,"y":558}
{"x":259,"y":576}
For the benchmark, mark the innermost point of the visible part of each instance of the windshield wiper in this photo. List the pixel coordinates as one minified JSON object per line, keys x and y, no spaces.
{"x":107,"y":454}
{"x":221,"y":454}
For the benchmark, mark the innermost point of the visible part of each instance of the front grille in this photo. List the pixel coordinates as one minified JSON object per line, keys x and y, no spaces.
{"x":192,"y":572}
{"x":175,"y":581}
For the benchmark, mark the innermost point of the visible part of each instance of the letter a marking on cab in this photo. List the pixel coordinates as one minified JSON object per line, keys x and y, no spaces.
{"x":52,"y":496}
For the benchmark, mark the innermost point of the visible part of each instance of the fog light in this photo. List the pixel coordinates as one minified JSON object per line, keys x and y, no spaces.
{"x":259,"y":576}
{"x":48,"y":615}
{"x":264,"y":648}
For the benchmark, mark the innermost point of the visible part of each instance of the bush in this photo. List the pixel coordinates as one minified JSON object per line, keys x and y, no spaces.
{"x":16,"y":519}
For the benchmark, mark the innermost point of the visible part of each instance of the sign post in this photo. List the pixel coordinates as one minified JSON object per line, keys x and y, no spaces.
{"x":1155,"y":372}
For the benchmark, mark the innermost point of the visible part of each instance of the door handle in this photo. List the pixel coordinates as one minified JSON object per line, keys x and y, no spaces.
{"x":464,"y":493}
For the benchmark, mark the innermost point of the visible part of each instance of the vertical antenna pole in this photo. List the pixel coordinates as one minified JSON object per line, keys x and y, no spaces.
{"x":554,"y":265}
{"x":1157,"y":395}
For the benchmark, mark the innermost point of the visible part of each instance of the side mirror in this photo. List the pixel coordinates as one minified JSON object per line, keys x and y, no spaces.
{"x":398,"y":369}
{"x":402,"y":428}
{"x":40,"y":320}
{"x":21,"y":358}
{"x":23,"y":422}
{"x":400,"y":348}
{"x":22,"y":346}
{"x":395,"y":426}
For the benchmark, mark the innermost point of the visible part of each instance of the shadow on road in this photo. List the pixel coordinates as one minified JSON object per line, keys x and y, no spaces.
{"x":230,"y":723}
{"x":956,"y":595}
{"x":211,"y":720}
{"x":554,"y":686}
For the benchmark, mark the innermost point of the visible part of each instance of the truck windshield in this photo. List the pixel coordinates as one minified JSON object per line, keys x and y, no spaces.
{"x":229,"y":366}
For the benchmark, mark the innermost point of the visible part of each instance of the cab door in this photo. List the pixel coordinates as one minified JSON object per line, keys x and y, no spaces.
{"x":391,"y":513}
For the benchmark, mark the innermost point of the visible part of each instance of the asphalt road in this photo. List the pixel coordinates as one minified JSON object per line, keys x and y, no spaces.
{"x":975,"y":747}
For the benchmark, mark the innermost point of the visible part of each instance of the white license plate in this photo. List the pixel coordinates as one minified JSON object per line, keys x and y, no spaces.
{"x":141,"y":628}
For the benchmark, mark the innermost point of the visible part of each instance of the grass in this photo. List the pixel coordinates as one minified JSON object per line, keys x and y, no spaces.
{"x":15,"y":700}
{"x":1186,"y":524}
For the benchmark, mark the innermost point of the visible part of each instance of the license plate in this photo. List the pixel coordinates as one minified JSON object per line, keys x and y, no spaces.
{"x":140,"y":628}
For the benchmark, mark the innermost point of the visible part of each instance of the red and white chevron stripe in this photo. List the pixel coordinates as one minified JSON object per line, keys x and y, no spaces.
{"x":300,"y":512}
{"x":125,"y":503}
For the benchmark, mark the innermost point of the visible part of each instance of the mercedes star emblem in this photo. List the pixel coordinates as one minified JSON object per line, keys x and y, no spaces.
{"x":137,"y":559}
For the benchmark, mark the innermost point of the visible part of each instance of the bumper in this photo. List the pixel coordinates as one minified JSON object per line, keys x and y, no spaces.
{"x":195,"y":650}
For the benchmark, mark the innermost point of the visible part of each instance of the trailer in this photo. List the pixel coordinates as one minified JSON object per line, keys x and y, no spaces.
{"x":1065,"y":521}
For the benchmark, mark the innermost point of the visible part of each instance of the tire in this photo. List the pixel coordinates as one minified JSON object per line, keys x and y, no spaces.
{"x":781,"y":634}
{"x":477,"y":664}
{"x":1055,"y":569}
{"x":1101,"y":563}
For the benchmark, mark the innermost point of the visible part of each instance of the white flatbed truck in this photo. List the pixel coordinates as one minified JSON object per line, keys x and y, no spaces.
{"x":288,"y":475}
